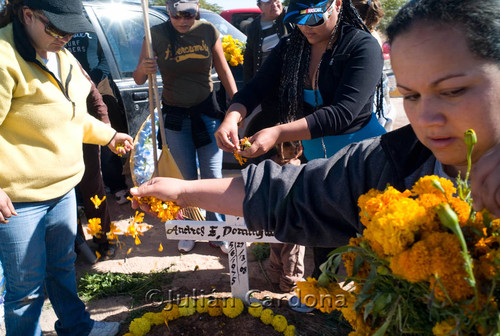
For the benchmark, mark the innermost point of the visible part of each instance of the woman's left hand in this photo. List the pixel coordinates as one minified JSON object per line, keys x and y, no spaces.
{"x":262,"y":142}
{"x":121,"y":143}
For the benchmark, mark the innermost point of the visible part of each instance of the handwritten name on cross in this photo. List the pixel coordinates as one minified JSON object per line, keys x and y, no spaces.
{"x":234,"y":231}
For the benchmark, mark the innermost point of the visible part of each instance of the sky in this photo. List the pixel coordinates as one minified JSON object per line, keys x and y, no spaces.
{"x":232,"y":4}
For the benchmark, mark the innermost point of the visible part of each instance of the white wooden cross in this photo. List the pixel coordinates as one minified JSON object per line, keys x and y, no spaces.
{"x":234,"y":231}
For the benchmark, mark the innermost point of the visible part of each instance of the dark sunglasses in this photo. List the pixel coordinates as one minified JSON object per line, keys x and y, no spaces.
{"x":326,"y":16}
{"x":185,"y":15}
{"x":51,"y":30}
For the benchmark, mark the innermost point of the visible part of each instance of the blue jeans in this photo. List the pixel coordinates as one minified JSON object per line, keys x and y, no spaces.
{"x":186,"y":154}
{"x":37,"y":252}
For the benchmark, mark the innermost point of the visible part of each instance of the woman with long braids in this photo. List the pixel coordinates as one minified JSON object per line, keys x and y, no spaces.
{"x":327,"y":71}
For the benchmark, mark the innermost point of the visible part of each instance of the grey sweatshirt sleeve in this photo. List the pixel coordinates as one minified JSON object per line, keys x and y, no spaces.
{"x":315,"y":204}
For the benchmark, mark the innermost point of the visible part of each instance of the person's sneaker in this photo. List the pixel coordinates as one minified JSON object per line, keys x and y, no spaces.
{"x":101,"y":328}
{"x":225,"y":247}
{"x":185,"y":245}
{"x":121,"y":196}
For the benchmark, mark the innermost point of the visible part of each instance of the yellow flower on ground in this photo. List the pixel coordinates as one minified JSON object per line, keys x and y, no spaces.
{"x":187,"y":307}
{"x":202,"y":305}
{"x":255,"y":309}
{"x":139,"y":326}
{"x":290,"y":331}
{"x":154,"y":318}
{"x":97,"y":202}
{"x":279,"y":323}
{"x":160,"y":248}
{"x":170,"y":312}
{"x":94,"y":227}
{"x":267,"y":316}
{"x":232,"y":307}
{"x":215,"y":308}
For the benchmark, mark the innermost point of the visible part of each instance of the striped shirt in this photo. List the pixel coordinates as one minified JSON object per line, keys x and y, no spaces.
{"x":270,"y":38}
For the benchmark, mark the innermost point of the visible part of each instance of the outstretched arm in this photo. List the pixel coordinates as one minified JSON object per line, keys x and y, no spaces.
{"x":217,"y":195}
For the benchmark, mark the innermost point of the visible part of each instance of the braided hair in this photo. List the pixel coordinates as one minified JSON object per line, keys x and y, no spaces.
{"x":296,"y":64}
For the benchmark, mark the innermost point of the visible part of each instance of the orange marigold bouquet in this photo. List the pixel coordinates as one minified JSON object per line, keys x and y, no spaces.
{"x":427,"y":263}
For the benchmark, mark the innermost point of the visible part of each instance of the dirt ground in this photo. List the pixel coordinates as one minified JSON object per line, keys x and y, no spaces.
{"x":205,"y":268}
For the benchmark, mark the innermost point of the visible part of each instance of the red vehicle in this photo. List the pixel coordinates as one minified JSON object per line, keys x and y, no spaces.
{"x":240,"y":17}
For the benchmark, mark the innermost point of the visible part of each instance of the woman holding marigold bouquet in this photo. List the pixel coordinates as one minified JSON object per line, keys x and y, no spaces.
{"x":185,"y":49}
{"x":446,"y":58}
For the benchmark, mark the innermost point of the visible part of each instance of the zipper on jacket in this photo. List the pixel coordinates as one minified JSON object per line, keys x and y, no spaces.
{"x":63,"y":89}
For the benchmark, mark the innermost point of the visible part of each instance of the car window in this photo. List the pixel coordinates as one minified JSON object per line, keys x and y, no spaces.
{"x":125,"y":39}
{"x":224,"y":27}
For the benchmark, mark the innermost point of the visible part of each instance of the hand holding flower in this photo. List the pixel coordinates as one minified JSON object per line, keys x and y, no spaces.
{"x":121,"y":143}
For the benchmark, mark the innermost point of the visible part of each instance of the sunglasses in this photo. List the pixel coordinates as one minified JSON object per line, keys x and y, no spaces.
{"x":185,"y":15}
{"x":51,"y":30}
{"x":326,"y":16}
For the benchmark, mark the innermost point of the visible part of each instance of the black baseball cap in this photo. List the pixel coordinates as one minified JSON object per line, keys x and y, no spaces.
{"x":65,"y":15}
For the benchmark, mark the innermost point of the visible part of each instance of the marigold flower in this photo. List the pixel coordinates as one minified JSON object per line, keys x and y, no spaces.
{"x":94,"y":227}
{"x":233,"y":50}
{"x":187,"y":307}
{"x":425,"y":185}
{"x":443,"y":328}
{"x":215,"y":308}
{"x":255,"y":309}
{"x":140,"y":326}
{"x":267,"y":316}
{"x":486,"y":266}
{"x":394,"y":227}
{"x":233,"y":307}
{"x":171,"y":312}
{"x":154,"y":318}
{"x":279,"y":323}
{"x":202,"y":305}
{"x":290,"y":331}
